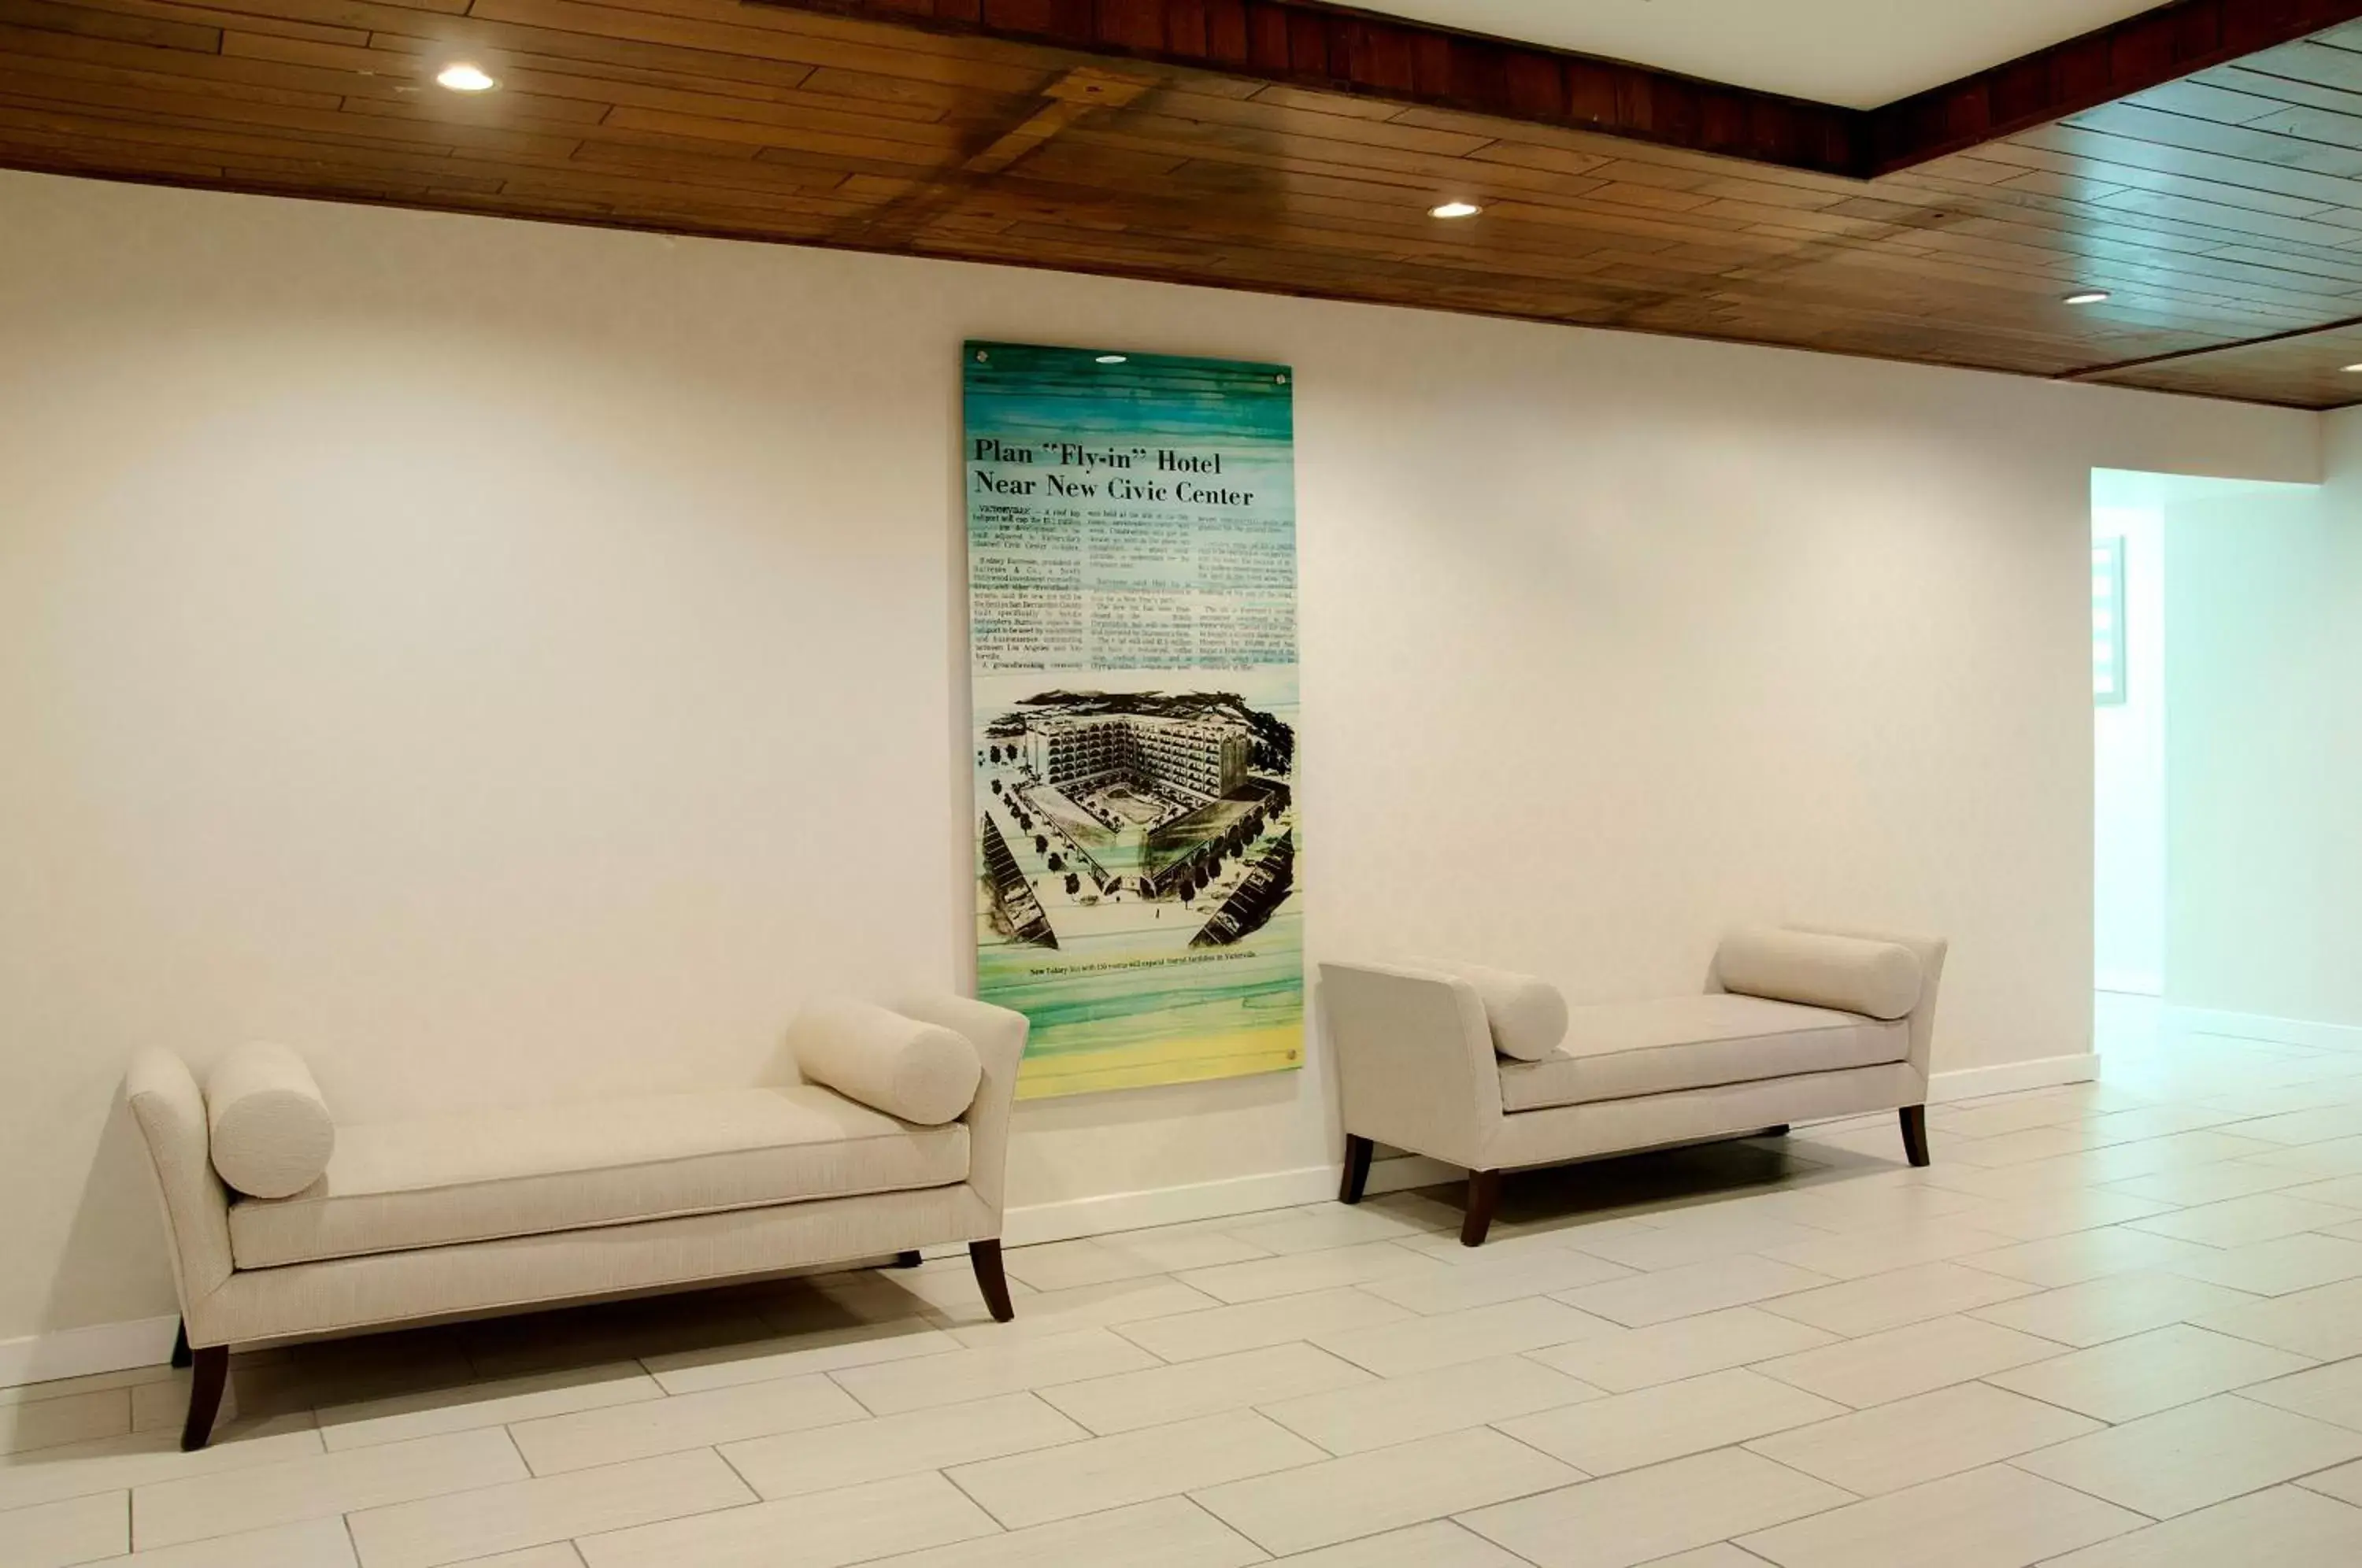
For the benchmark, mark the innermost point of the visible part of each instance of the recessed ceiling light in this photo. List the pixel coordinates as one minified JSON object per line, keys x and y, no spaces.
{"x":1114,"y":358}
{"x":1454,"y":210}
{"x":2088,"y":296}
{"x":466,"y":76}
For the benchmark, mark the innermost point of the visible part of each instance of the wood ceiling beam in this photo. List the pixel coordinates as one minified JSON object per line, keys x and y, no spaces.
{"x":2102,"y":66}
{"x":1305,"y":43}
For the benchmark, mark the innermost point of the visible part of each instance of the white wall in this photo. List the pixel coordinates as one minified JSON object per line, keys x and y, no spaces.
{"x":2128,"y":754}
{"x":513,"y":660}
{"x":2264,"y":606}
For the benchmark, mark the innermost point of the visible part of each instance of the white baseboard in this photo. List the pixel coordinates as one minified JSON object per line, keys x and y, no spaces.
{"x":78,"y":1353}
{"x":2012,"y":1077}
{"x":2130,"y":982}
{"x":1400,"y":1173}
{"x":2260,"y":1026}
{"x":1208,"y":1200}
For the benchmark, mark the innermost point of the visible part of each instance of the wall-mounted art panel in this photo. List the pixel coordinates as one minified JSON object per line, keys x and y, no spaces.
{"x":1131,"y":591}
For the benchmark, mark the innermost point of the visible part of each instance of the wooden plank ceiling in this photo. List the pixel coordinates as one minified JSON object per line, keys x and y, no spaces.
{"x":2222,"y":211}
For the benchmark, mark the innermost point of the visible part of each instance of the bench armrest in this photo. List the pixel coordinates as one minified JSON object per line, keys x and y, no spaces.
{"x":998,"y":1036}
{"x":1931,"y":951}
{"x":170,"y":1111}
{"x":1415,"y":1060}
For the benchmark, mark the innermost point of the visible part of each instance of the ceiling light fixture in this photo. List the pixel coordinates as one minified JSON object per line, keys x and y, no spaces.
{"x":466,"y":76}
{"x":1454,"y":210}
{"x":1114,"y":358}
{"x":2088,"y":296}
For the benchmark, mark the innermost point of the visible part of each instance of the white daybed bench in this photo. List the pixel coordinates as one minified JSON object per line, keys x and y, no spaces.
{"x":284,"y":1224}
{"x":1493,"y":1071}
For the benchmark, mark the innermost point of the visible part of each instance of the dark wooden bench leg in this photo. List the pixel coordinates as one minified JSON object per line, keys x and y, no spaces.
{"x":907,"y":1260}
{"x":1357,"y":1169}
{"x":1915,"y":1133}
{"x":211,"y":1362}
{"x":1483,"y":1196}
{"x":986,"y":1256}
{"x":180,"y":1345}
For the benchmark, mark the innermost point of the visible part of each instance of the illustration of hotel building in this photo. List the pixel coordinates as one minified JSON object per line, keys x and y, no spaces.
{"x":1201,"y":757}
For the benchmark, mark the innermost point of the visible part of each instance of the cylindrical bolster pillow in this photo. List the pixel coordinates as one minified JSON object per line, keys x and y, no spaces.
{"x":1526,"y":1016}
{"x":920,"y":1072}
{"x":1851,"y":974}
{"x":270,"y":1132}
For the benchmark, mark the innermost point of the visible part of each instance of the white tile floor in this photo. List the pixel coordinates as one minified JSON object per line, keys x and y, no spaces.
{"x":2117,"y":1325}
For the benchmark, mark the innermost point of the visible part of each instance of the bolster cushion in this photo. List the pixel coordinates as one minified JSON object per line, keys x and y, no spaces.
{"x":919,"y":1072}
{"x":1851,"y":974}
{"x":1526,"y":1016}
{"x":270,"y":1132}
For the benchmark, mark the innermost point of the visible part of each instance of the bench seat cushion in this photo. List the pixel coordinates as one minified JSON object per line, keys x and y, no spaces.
{"x":1620,"y":1050}
{"x":396,"y":1185}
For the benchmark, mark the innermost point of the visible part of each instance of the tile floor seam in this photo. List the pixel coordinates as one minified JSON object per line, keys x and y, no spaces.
{"x":575,"y":1542}
{"x":1852,"y":1497}
{"x":945,"y":1471}
{"x":1117,"y":1330}
{"x":743,"y":1479}
{"x":1581,"y":1474}
{"x":508,"y":1432}
{"x":2105,"y":1424}
{"x":1459,"y":1522}
{"x":1849,"y":1497}
{"x":1191,"y":1495}
{"x":874,"y":1413}
{"x":2299,"y":1480}
{"x":132,"y":1493}
{"x":2237,"y":1391}
{"x":2011,"y":1461}
{"x":1324,"y":1448}
{"x":2153,"y":1519}
{"x":2317,"y":1492}
{"x":1225,"y":1525}
{"x":1453,"y":1521}
{"x":1149,"y":1351}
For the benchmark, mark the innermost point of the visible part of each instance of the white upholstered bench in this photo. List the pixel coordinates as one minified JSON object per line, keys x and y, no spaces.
{"x":285,"y":1223}
{"x":1494,"y":1072}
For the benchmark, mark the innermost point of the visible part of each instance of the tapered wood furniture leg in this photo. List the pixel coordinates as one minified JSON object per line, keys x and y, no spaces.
{"x":907,"y":1260}
{"x":211,"y":1362}
{"x":1357,"y":1169}
{"x":1483,"y":1196}
{"x":180,"y":1345}
{"x":986,"y":1256}
{"x":1915,"y":1133}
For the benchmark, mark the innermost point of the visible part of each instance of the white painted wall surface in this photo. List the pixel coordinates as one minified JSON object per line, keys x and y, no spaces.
{"x":514,"y":661}
{"x":2263,"y":607}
